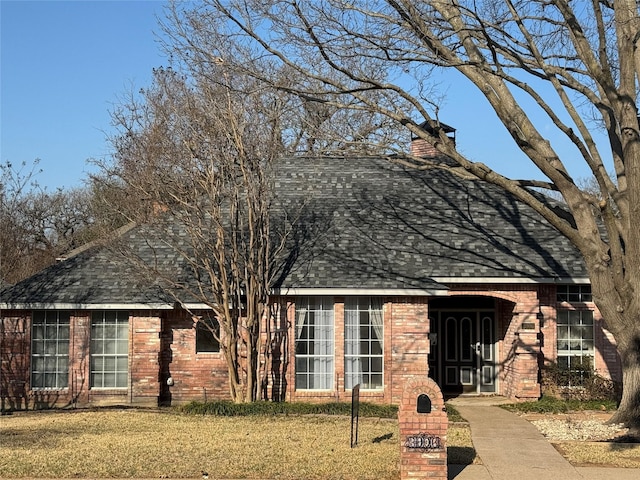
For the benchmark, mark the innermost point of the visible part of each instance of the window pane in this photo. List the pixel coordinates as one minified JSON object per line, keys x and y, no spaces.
{"x":37,"y":364}
{"x":109,"y":349}
{"x":563,"y":333}
{"x":97,"y":363}
{"x":122,"y":347}
{"x":63,"y":332}
{"x":110,"y":331}
{"x":122,"y":364}
{"x":376,"y":364}
{"x":50,"y":349}
{"x":50,"y":363}
{"x":97,"y":332}
{"x":37,"y":380}
{"x":574,"y":317}
{"x":110,"y":364}
{"x":121,"y":380}
{"x":205,"y":337}
{"x":363,"y":341}
{"x":51,"y":332}
{"x":37,"y":347}
{"x":376,"y":380}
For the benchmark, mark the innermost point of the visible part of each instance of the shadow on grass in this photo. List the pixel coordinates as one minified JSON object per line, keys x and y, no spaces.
{"x":382,"y":438}
{"x":460,"y":455}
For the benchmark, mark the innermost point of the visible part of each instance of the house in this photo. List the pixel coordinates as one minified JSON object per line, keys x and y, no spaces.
{"x":400,"y":272}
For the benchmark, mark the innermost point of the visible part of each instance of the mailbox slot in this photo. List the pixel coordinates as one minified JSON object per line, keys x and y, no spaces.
{"x":424,"y":404}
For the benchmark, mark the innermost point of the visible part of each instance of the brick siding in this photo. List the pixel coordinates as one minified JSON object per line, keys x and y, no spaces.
{"x":162,"y":345}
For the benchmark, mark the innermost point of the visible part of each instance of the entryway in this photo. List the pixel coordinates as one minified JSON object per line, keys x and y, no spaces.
{"x":462,"y":359}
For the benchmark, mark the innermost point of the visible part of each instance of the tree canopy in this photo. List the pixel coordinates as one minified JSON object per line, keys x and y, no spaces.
{"x":575,"y":63}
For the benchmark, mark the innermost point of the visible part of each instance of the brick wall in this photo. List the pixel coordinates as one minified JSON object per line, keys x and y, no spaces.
{"x":409,"y":325}
{"x":423,"y":436}
{"x":14,"y":360}
{"x":162,"y":345}
{"x":196,"y":376}
{"x":421,"y":148}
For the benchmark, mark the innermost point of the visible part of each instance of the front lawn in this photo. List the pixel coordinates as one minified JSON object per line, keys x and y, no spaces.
{"x":120,"y":443}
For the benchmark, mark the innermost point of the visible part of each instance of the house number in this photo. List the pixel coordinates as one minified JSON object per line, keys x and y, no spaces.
{"x":423,"y":441}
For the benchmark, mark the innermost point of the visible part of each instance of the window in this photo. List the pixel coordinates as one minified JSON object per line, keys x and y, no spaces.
{"x":574,"y":293}
{"x":575,"y":344}
{"x":363,"y":343}
{"x":109,"y":349}
{"x":50,"y":350}
{"x":314,"y":343}
{"x":207,"y":335}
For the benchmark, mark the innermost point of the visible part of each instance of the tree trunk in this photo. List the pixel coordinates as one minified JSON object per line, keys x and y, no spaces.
{"x":629,"y":409}
{"x":625,"y":328}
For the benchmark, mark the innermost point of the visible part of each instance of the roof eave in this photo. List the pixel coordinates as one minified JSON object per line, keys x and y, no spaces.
{"x":512,"y":280}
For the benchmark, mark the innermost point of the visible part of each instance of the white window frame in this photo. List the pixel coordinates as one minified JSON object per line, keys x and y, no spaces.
{"x":50,"y":336}
{"x":315,"y":343}
{"x":364,"y":343}
{"x":575,"y":337}
{"x":109,"y":365}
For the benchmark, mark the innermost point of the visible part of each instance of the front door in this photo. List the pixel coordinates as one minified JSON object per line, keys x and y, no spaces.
{"x":462,"y":357}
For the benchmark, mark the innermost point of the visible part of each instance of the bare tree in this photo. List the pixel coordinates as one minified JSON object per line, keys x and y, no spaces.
{"x":576,"y":63}
{"x":37,"y":225}
{"x":197,"y":157}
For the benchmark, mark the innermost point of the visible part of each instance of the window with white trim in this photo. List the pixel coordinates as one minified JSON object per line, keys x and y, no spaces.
{"x":50,"y":349}
{"x":109,"y":349}
{"x":363,"y":343}
{"x":314,"y":343}
{"x":575,"y":344}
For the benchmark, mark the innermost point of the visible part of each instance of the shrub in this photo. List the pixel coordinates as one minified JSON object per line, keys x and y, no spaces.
{"x":549,"y":404}
{"x":580,"y":382}
{"x":230,"y":409}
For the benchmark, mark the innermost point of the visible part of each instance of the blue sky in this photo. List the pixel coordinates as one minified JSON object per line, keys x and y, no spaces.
{"x":65,"y":64}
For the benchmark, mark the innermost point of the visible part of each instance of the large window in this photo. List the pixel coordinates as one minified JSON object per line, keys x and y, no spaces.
{"x":363,"y":343}
{"x":575,"y":344}
{"x":50,"y":350}
{"x":109,"y":349}
{"x":314,"y":343}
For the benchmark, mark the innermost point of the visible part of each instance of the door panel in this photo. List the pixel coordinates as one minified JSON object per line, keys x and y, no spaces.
{"x":462,"y":358}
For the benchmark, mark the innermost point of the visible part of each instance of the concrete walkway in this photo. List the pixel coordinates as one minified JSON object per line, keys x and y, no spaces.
{"x":512,"y":448}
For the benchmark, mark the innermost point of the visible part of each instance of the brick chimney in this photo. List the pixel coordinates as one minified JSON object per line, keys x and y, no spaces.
{"x":422,"y":148}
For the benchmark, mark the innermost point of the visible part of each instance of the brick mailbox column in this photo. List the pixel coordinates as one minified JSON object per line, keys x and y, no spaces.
{"x":423,"y":431}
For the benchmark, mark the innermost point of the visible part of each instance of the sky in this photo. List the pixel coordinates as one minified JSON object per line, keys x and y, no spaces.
{"x":66,"y":64}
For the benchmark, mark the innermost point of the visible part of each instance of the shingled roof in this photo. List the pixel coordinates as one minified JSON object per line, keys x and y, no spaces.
{"x":363,"y":225}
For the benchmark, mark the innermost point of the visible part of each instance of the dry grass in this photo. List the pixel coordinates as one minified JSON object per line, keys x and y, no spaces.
{"x":626,"y":455}
{"x":151,"y":444}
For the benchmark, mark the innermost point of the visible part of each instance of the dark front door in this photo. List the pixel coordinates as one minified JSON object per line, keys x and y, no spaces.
{"x":462,"y":358}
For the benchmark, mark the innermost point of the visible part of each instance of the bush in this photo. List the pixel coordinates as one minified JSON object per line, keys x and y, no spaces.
{"x":578,"y":383}
{"x":549,"y":404}
{"x":230,"y":409}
